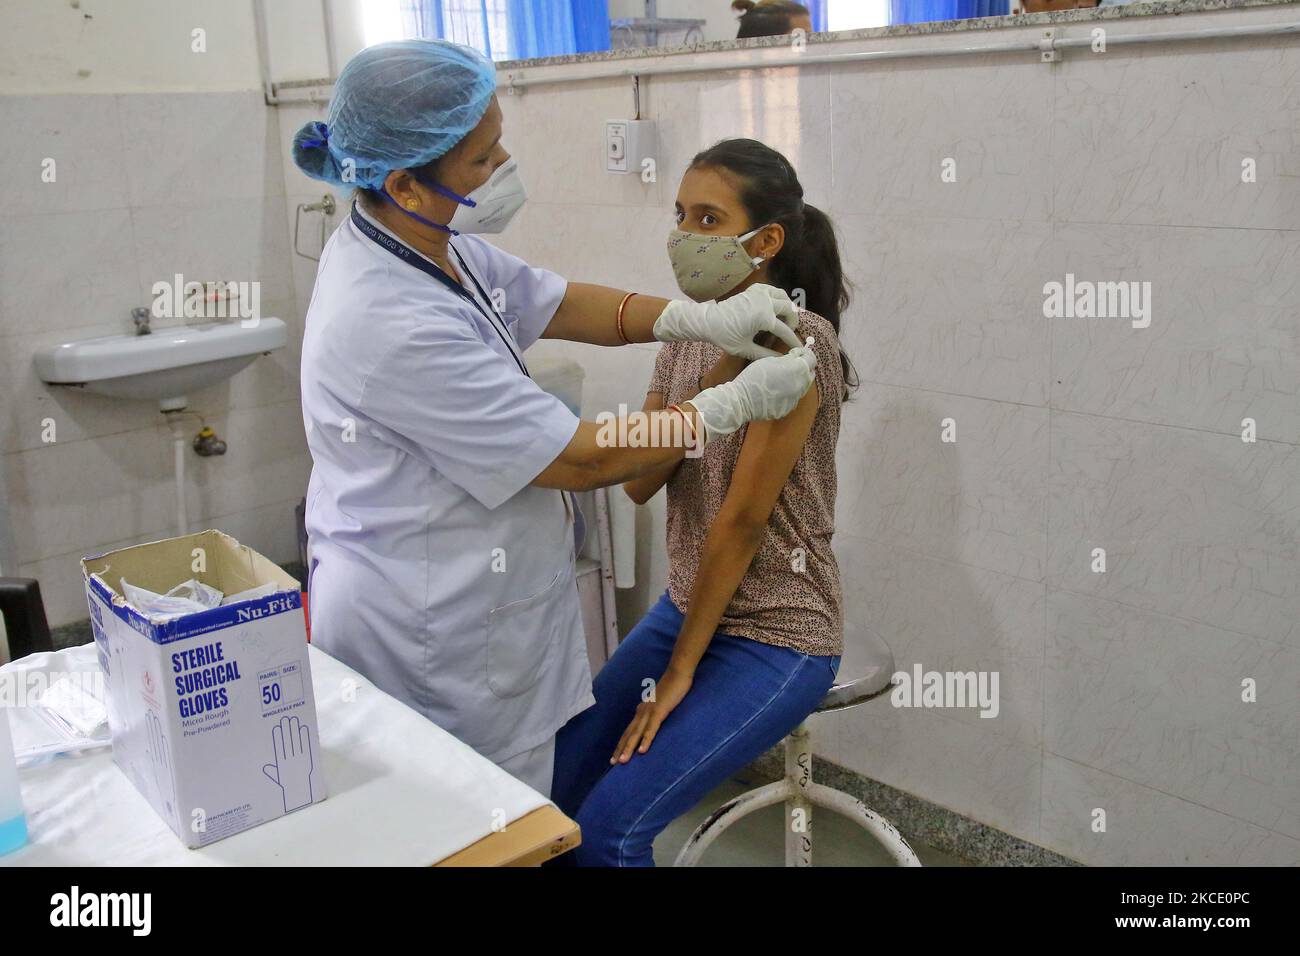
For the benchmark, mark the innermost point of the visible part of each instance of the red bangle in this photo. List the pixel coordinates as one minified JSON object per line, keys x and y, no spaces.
{"x":621,"y":334}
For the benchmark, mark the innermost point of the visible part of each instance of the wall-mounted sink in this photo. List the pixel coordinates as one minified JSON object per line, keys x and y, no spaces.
{"x":163,"y":366}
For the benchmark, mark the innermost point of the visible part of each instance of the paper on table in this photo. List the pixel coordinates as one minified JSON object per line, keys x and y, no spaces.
{"x":75,"y":708}
{"x":37,"y":732}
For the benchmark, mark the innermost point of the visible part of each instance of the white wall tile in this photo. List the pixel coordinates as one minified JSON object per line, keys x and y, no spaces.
{"x":621,"y":246}
{"x":1158,"y":701}
{"x":63,"y":270}
{"x":953,"y":305}
{"x":82,"y":134}
{"x":948,"y":617}
{"x":1146,"y":827}
{"x":238,"y":240}
{"x":1223,"y":342}
{"x":1158,"y":135}
{"x":80,"y":494}
{"x":202,"y":148}
{"x":788,"y":109}
{"x":896,"y":124}
{"x":1194,"y":525}
{"x":980,"y":500}
{"x":988,"y":776}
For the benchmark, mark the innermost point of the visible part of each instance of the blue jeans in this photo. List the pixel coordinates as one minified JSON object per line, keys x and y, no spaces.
{"x":745,"y":697}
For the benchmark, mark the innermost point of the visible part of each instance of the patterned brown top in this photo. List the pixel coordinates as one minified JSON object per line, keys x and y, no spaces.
{"x":790,"y":596}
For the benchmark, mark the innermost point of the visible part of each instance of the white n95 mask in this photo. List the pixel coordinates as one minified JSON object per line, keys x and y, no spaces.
{"x":709,"y":266}
{"x":495,"y":202}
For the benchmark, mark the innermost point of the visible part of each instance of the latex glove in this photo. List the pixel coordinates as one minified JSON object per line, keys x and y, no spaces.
{"x":732,"y":323}
{"x":768,"y":388}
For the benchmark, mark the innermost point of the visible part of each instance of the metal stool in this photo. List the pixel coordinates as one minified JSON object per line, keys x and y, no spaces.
{"x":873,"y":661}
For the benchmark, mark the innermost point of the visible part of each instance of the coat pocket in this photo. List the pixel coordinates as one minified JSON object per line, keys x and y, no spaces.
{"x":519,"y":636}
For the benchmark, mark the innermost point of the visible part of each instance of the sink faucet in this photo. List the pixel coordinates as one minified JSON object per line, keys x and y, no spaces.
{"x":140,"y":315}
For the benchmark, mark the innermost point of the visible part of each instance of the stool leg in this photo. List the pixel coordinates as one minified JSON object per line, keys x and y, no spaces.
{"x":725,"y":816}
{"x":885,"y":833}
{"x":798,"y":808}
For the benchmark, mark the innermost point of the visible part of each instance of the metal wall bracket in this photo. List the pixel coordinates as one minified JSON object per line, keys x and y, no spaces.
{"x":1047,"y":46}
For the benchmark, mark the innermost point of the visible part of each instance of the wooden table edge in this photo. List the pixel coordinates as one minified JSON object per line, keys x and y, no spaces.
{"x":535,"y":837}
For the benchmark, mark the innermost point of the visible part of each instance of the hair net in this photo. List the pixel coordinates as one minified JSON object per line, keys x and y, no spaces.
{"x":396,"y":105}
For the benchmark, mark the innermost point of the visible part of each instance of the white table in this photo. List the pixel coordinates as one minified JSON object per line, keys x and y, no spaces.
{"x":402,"y":792}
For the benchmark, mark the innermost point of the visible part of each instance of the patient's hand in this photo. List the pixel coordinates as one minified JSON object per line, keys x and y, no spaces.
{"x":669,"y":691}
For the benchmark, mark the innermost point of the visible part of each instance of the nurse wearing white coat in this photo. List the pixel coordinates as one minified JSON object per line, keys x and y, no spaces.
{"x":441,"y":536}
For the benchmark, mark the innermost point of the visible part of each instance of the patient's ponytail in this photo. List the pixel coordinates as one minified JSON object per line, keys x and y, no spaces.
{"x":808,"y":265}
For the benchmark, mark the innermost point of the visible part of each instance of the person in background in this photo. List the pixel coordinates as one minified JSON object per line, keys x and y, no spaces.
{"x":747,"y":639}
{"x":771,"y":18}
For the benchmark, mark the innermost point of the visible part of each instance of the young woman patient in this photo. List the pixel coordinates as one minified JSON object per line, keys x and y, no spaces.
{"x":746,"y":641}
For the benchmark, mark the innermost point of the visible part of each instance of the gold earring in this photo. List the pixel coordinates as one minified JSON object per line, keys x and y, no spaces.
{"x":412,"y":204}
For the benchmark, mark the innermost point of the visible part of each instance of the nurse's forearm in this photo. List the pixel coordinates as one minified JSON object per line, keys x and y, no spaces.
{"x":644,"y":487}
{"x":621,"y":449}
{"x":589,"y":313}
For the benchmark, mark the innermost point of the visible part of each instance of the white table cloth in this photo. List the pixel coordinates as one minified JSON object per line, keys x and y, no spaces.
{"x":402,"y":791}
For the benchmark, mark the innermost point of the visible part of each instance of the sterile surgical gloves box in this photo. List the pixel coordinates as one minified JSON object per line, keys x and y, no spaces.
{"x":212,"y":712}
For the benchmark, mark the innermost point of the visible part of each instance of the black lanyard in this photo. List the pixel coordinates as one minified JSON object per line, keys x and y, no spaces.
{"x":413,"y":258}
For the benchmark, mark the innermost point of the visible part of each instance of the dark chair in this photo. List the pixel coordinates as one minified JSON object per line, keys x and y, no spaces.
{"x":24,"y":615}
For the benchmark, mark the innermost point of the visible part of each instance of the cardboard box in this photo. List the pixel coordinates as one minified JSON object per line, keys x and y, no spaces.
{"x":212,"y":713}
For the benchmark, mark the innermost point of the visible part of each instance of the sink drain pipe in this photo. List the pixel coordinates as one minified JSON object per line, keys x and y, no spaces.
{"x":178,"y":451}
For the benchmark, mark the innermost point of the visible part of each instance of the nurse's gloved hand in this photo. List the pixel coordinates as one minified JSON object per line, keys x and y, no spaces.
{"x":733,"y":323}
{"x":768,"y":388}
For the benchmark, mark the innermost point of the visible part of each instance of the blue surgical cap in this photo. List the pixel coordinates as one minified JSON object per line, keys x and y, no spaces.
{"x":396,"y":105}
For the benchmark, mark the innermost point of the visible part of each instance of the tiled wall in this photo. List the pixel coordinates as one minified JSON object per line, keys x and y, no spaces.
{"x":147,"y":185}
{"x":1120,"y":691}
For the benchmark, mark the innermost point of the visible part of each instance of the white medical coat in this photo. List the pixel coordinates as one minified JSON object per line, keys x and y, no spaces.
{"x":437,"y":571}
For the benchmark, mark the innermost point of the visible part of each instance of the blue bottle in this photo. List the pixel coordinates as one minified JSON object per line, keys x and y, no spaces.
{"x":13,"y":822}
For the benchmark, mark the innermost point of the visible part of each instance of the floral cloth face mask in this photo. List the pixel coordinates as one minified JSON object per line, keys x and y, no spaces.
{"x":709,"y":266}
